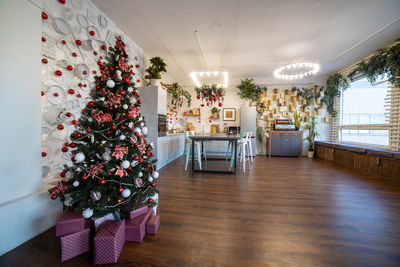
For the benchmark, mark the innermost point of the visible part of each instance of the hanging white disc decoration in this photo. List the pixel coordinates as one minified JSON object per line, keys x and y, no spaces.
{"x":130,"y":89}
{"x":79,"y":157}
{"x":156,"y":174}
{"x":125,"y":164}
{"x":76,"y":183}
{"x":126,"y":193}
{"x":110,"y":84}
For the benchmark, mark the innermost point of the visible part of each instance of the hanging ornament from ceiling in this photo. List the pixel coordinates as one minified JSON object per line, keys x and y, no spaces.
{"x":210,"y":95}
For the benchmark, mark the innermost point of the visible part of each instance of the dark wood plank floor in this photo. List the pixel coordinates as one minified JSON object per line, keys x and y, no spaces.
{"x":283,"y":212}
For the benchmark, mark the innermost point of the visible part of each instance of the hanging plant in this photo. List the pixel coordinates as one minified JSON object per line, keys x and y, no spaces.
{"x":178,"y":93}
{"x":334,"y":86}
{"x":249,"y":90}
{"x":211,"y":94}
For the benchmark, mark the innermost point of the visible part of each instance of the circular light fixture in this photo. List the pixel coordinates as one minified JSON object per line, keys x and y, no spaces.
{"x":296,"y":71}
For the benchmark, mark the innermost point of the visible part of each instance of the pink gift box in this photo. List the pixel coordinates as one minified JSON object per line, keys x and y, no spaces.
{"x":75,"y":244}
{"x":138,"y":212}
{"x":136,"y":228}
{"x":152,"y":225}
{"x":70,"y":222}
{"x":108,"y":242}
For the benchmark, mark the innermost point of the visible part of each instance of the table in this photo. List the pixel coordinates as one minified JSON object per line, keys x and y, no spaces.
{"x":214,"y":137}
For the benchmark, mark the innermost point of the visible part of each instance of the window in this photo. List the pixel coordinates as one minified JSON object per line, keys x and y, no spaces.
{"x":362,"y":114}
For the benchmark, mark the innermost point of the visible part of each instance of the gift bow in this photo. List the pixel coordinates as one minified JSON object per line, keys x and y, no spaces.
{"x":59,"y":188}
{"x":119,"y":152}
{"x":134,"y":112}
{"x":121,"y":172}
{"x":114,"y":100}
{"x":94,"y":170}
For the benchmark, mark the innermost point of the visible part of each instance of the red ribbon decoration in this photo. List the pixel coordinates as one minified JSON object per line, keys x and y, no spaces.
{"x":121,"y":172}
{"x":119,"y":152}
{"x":114,"y":100}
{"x":134,"y":112}
{"x":94,"y":170}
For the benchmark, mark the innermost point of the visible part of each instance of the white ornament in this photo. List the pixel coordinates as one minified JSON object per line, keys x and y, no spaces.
{"x":125,"y":164}
{"x":130,"y":125}
{"x":145,"y":130}
{"x":106,"y":156}
{"x":102,"y":99}
{"x":134,"y":163}
{"x":126,"y":193}
{"x":92,"y":85}
{"x":156,"y":174}
{"x":141,"y":124}
{"x":122,"y":137}
{"x":140,"y":118}
{"x":87,"y":213}
{"x":150,"y":179}
{"x":103,"y":142}
{"x":152,"y":145}
{"x":155,"y":196}
{"x":79,"y":157}
{"x":125,"y":106}
{"x":118,"y":72}
{"x":78,"y":169}
{"x":132,"y":100}
{"x":68,"y":175}
{"x":76,"y":183}
{"x":90,"y":120}
{"x":137,"y":129}
{"x":68,"y":200}
{"x":92,"y":139}
{"x":130,"y":89}
{"x":140,"y":174}
{"x":110,"y":84}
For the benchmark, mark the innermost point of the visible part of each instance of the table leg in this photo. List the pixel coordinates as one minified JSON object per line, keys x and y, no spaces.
{"x":192,"y":155}
{"x":235,"y":156}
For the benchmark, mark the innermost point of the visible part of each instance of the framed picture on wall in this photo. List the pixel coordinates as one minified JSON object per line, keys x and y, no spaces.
{"x":229,"y":114}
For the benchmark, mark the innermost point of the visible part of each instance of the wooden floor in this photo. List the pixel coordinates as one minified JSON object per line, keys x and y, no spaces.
{"x":283,"y":212}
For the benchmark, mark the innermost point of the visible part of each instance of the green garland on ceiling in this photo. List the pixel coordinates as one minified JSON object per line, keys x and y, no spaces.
{"x":177,"y":91}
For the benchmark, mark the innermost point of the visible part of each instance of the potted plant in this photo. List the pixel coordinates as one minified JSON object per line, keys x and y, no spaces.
{"x":155,"y":70}
{"x":311,"y":127}
{"x":214,"y":112}
{"x":296,"y":120}
{"x":260,"y":137}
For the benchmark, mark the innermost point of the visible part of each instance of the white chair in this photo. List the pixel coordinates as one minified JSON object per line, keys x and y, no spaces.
{"x":250,"y":147}
{"x":241,"y":154}
{"x":188,"y":149}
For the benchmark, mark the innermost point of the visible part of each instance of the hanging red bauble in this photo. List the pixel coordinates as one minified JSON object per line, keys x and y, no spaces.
{"x":54,"y":196}
{"x":140,"y":160}
{"x":58,"y":73}
{"x":69,"y":67}
{"x":78,"y":42}
{"x":137,"y":66}
{"x":63,"y":42}
{"x":114,"y":127}
{"x":202,"y":105}
{"x":127,"y":80}
{"x":97,"y":87}
{"x":61,"y":2}
{"x":42,"y":93}
{"x":120,"y":190}
{"x":139,"y":101}
{"x":122,"y":92}
{"x":55,"y":94}
{"x":198,"y":96}
{"x":44,"y":154}
{"x":103,"y":90}
{"x":122,"y":127}
{"x":130,"y":168}
{"x":44,"y":61}
{"x":84,"y":178}
{"x":84,"y":72}
{"x":109,"y":173}
{"x":80,"y":84}
{"x":78,"y":135}
{"x":136,"y":134}
{"x":138,"y":80}
{"x":95,"y":53}
{"x":73,"y":122}
{"x":102,"y":181}
{"x":84,"y":110}
{"x":78,"y":95}
{"x":64,"y":149}
{"x":71,"y":91}
{"x":110,"y":108}
{"x":90,"y":104}
{"x":111,"y":68}
{"x":150,"y":200}
{"x":73,"y":135}
{"x":220,"y":104}
{"x":103,"y":47}
{"x":136,"y":157}
{"x":88,"y":130}
{"x":66,"y":144}
{"x":72,"y":145}
{"x":108,"y":132}
{"x":102,"y":67}
{"x":205,"y":92}
{"x":152,"y":154}
{"x":153,"y":184}
{"x":92,"y":33}
{"x":60,"y":127}
{"x":74,"y":54}
{"x":44,"y":16}
{"x":62,"y":174}
{"x":43,"y":39}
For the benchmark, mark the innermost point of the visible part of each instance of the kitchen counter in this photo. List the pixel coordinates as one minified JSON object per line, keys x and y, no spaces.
{"x":170,"y":147}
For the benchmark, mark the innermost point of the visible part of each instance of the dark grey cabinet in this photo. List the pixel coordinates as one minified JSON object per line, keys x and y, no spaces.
{"x":285,"y":143}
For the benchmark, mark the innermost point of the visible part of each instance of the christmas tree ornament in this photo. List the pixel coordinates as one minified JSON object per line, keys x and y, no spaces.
{"x":60,"y":127}
{"x":138,"y":182}
{"x":110,"y":84}
{"x":140,"y":174}
{"x":137,"y":130}
{"x":145,"y":130}
{"x":126,"y":193}
{"x":84,"y":178}
{"x":150,"y":200}
{"x":87,"y":213}
{"x":125,"y":164}
{"x":95,"y":195}
{"x":155,"y":174}
{"x":125,"y":106}
{"x":79,"y":157}
{"x":129,"y":89}
{"x":54,"y":196}
{"x":120,"y":190}
{"x":92,"y":139}
{"x":76,"y":183}
{"x":122,"y":137}
{"x":150,"y":179}
{"x":102,"y":181}
{"x":67,"y":200}
{"x":134,"y":163}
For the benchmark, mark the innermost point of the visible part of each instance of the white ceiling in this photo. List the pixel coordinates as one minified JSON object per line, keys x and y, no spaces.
{"x":251,"y":38}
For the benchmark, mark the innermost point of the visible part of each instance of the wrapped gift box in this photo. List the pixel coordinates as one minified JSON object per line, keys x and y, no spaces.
{"x":108,"y":242}
{"x":95,"y":223}
{"x":139,"y":211}
{"x":136,"y":228}
{"x":70,"y":222}
{"x":75,"y":244}
{"x":152,"y":225}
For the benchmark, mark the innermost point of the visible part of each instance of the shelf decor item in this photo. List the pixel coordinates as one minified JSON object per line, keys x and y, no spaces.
{"x":229,"y":114}
{"x":155,"y":70}
{"x":210,"y":94}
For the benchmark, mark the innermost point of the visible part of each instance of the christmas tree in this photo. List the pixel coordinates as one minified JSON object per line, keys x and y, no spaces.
{"x":111,"y":170}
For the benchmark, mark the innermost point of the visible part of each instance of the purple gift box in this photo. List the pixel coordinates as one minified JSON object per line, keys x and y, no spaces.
{"x":138,"y":212}
{"x":136,"y":228}
{"x":75,"y":244}
{"x":109,"y":242}
{"x":152,"y":225}
{"x":70,"y":222}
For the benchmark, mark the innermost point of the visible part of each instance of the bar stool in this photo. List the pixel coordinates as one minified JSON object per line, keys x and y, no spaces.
{"x":250,"y":147}
{"x":243,"y":143}
{"x":188,"y":149}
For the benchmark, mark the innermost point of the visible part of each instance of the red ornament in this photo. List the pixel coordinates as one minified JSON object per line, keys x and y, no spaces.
{"x":78,"y":42}
{"x":131,"y":66}
{"x":73,"y":158}
{"x":44,"y":61}
{"x":90,"y":104}
{"x":130,"y":168}
{"x":71,"y":91}
{"x":108,"y":132}
{"x":74,"y":54}
{"x":139,"y":101}
{"x":114,"y":127}
{"x":152,"y":154}
{"x":138,"y":80}
{"x":84,"y":110}
{"x":137,"y":66}
{"x":198,"y":96}
{"x":80,"y":84}
{"x":44,"y":16}
{"x":78,"y":95}
{"x":136,"y":134}
{"x":43,"y":39}
{"x":64,"y":42}
{"x":140,"y":160}
{"x":84,"y":72}
{"x":92,"y":33}
{"x":102,"y":181}
{"x":136,"y":157}
{"x":88,"y":130}
{"x":61,"y":2}
{"x":220,"y":104}
{"x":110,"y":108}
{"x":103,"y":90}
{"x":44,"y":154}
{"x":109,"y":173}
{"x":150,"y":200}
{"x":127,"y":81}
{"x":95,"y":53}
{"x":54,"y":196}
{"x":42,"y":93}
{"x":78,"y":135}
{"x":103,"y":47}
{"x":122,"y":92}
{"x":122,"y":127}
{"x":84,"y":178}
{"x":64,"y":149}
{"x":111,"y":68}
{"x":55,"y":94}
{"x":62,"y":174}
{"x":153,"y":184}
{"x":69,"y":67}
{"x":72,"y":145}
{"x":120,"y":190}
{"x":60,"y":127}
{"x":58,"y":73}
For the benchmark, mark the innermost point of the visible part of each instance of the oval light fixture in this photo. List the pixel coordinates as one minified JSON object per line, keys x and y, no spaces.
{"x":296,"y":71}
